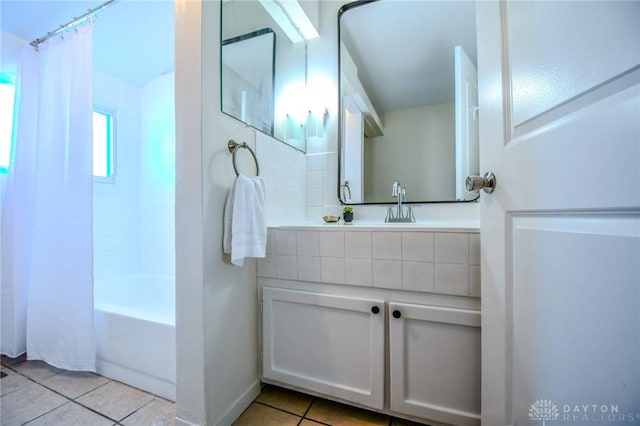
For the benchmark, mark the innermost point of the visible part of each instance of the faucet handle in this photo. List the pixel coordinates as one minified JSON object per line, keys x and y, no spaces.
{"x":389,"y":215}
{"x":396,"y":189}
{"x":410,"y":216}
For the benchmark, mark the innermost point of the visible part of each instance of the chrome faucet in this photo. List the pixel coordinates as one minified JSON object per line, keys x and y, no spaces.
{"x":400,"y":193}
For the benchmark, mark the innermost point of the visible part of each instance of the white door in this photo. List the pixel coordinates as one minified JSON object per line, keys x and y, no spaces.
{"x":434,"y":363}
{"x":559,"y":86}
{"x":325,"y":343}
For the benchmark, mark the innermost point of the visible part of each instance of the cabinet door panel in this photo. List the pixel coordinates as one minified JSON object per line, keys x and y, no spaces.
{"x":325,"y":343}
{"x":435,"y":363}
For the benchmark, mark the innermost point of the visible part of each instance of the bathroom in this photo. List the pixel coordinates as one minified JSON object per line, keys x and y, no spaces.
{"x":218,"y":340}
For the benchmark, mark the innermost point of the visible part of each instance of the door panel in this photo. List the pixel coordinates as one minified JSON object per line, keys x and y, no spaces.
{"x":558,"y":50}
{"x":575,"y":321}
{"x":325,"y":343}
{"x":434,"y":356}
{"x":559,"y":86}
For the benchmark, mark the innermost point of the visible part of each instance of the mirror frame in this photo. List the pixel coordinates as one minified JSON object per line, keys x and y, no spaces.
{"x":341,"y":11}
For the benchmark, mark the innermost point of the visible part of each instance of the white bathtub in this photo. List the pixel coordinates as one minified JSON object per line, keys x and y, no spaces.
{"x":135,"y":332}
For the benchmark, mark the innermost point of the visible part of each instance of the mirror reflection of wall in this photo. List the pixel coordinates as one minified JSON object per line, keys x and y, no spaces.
{"x":409,"y":97}
{"x":248,"y":68}
{"x":246,"y":25}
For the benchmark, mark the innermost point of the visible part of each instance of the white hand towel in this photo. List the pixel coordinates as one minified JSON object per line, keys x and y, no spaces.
{"x":245,"y":225}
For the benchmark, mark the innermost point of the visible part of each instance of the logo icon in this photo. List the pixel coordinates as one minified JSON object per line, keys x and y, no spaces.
{"x":543,"y":409}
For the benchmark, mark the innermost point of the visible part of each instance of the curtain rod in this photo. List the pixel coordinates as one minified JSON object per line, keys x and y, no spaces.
{"x":74,"y":22}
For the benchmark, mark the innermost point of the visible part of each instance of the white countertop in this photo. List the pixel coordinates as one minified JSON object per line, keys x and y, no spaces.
{"x":365,"y":225}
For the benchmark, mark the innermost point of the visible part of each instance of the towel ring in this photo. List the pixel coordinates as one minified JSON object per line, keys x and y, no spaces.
{"x":233,"y":148}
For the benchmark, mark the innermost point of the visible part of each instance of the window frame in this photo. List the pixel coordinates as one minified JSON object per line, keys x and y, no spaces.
{"x":111,"y":142}
{"x":8,"y":78}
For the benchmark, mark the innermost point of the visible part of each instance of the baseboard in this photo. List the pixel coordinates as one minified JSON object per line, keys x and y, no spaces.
{"x":240,"y":404}
{"x":181,"y":422}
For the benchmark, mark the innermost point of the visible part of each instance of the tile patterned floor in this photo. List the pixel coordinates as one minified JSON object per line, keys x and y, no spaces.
{"x":281,"y":407}
{"x":35,"y":394}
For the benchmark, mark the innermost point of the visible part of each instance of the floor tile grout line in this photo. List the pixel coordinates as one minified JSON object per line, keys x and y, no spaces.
{"x":96,"y":388}
{"x":313,"y":401}
{"x":95,"y":411}
{"x":275,"y":408}
{"x":31,"y":379}
{"x":137,"y":409}
{"x":39,"y":381}
{"x":44,"y":414}
{"x":69,"y":399}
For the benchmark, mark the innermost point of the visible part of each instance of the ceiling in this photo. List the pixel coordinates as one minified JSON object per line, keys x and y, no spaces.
{"x":404,"y":49}
{"x":133,"y":39}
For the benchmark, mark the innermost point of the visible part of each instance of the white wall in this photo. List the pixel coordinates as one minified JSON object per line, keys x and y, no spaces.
{"x":216,"y":311}
{"x":115,"y":205}
{"x":417,"y":149}
{"x":157,"y":176}
{"x":10,"y":48}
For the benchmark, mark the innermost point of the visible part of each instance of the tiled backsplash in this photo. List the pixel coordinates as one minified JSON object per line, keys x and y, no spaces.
{"x":427,"y":261}
{"x":322,"y":184}
{"x":284,"y":172}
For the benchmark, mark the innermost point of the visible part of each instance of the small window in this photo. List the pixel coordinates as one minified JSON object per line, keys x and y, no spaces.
{"x":7,"y":95}
{"x":103,"y":146}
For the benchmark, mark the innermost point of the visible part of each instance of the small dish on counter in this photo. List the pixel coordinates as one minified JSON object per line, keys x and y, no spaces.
{"x":331,"y":218}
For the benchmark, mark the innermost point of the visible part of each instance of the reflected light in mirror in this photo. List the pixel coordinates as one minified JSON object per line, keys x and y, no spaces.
{"x":302,"y":109}
{"x":321,"y":92}
{"x":292,"y":102}
{"x":290,"y":112}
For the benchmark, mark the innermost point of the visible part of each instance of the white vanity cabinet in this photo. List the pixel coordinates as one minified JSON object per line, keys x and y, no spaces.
{"x":336,"y":345}
{"x":325,"y":343}
{"x":434,"y":358}
{"x":387,"y":319}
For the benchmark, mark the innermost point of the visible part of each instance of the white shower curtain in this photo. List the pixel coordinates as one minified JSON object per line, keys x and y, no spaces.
{"x":47,"y":247}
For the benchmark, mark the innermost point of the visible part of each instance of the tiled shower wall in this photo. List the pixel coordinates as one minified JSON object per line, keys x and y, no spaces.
{"x":157,"y":176}
{"x":134,"y":215}
{"x":115,"y":205}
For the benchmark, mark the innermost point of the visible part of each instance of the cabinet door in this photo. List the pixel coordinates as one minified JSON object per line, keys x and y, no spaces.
{"x":325,"y":343}
{"x":435,"y":363}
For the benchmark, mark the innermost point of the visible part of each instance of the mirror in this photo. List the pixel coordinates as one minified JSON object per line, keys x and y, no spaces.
{"x":248,"y":68}
{"x":262,"y":71}
{"x":408,"y":110}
